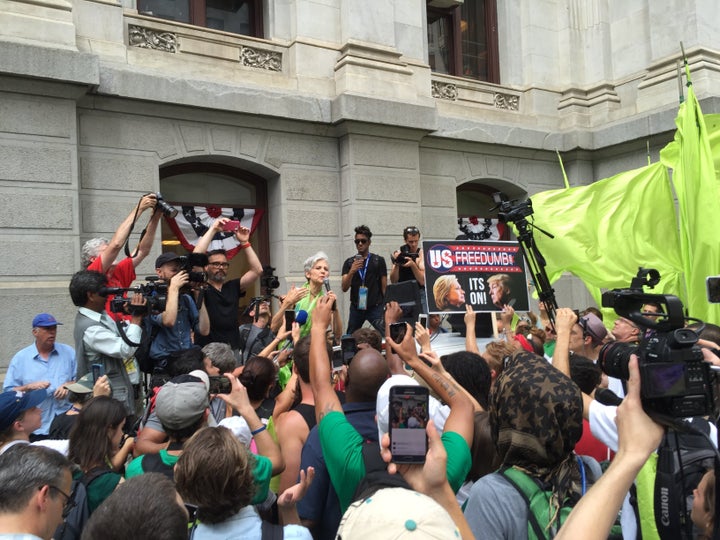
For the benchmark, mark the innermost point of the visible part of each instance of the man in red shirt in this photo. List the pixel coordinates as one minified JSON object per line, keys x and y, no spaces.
{"x":99,"y":254}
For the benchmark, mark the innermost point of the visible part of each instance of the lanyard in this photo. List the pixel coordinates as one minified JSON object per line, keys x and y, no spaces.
{"x":364,"y":270}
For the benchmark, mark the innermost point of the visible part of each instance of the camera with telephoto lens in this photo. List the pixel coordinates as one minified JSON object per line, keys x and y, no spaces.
{"x":167,"y":209}
{"x":189,"y":262}
{"x":154,"y":291}
{"x":675,"y":380}
{"x":268,"y":280}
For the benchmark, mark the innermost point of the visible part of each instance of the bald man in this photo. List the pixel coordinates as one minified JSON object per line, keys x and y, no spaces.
{"x":320,"y":508}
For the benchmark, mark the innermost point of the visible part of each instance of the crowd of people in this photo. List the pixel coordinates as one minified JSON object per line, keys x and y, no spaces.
{"x":258,"y":431}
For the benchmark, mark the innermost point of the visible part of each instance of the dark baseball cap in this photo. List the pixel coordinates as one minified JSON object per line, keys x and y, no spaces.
{"x":166,"y":258}
{"x":13,"y":403}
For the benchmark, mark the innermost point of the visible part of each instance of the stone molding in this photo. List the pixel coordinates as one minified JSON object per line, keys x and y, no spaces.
{"x":148,"y":38}
{"x":602,"y":94}
{"x":442,"y":90}
{"x":260,"y":58}
{"x":507,"y":102}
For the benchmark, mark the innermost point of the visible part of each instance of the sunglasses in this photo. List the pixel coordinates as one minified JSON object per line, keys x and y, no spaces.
{"x":411,"y":230}
{"x":359,"y":241}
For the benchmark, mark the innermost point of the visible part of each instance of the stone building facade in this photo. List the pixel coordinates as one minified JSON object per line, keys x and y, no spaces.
{"x":324,"y":113}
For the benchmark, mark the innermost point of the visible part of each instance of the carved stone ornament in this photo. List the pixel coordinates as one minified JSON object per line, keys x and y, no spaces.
{"x":261,"y":59}
{"x":507,"y":101}
{"x":147,"y":38}
{"x":443,"y":90}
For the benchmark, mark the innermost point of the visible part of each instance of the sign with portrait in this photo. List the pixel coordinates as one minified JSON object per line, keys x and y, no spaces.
{"x":487,"y":275}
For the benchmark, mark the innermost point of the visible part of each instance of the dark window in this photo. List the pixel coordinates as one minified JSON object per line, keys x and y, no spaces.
{"x":462,"y":40}
{"x":236,"y":16}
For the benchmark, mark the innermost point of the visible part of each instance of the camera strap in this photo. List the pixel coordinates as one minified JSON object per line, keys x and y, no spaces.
{"x":123,"y":335}
{"x":132,"y":226}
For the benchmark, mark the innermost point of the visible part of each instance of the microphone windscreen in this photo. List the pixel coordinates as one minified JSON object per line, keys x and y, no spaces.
{"x":301,"y":317}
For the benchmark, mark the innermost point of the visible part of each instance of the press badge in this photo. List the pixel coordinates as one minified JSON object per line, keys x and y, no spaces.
{"x":362,"y":298}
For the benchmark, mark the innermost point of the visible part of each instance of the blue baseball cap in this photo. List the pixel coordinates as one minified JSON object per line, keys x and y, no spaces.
{"x":13,"y":403}
{"x":44,"y":320}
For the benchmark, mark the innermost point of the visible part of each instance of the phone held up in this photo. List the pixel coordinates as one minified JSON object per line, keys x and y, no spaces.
{"x":408,"y":408}
{"x":348,"y":347}
{"x":397,"y":331}
{"x":98,"y":370}
{"x":713,"y":289}
{"x":289,"y":319}
{"x":220,"y":385}
{"x":231,"y":226}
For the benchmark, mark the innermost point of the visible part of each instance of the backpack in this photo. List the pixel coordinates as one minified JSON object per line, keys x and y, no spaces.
{"x":538,"y":501}
{"x":72,"y":526}
{"x":376,"y":475}
{"x":683,"y":459}
{"x":142,"y":353}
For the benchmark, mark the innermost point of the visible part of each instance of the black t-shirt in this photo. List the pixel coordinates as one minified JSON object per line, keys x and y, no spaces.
{"x":61,"y":426}
{"x":222,"y":308}
{"x":376,"y":269}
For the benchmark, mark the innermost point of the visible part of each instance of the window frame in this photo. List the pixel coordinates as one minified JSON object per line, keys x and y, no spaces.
{"x":197,"y":12}
{"x":455,"y":56}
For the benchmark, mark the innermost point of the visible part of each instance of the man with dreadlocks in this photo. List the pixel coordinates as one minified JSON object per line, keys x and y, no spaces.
{"x":535,"y":421}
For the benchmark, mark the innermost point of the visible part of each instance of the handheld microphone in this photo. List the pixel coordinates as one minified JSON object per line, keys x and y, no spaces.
{"x":607,"y":397}
{"x":301,"y":317}
{"x":326,"y":282}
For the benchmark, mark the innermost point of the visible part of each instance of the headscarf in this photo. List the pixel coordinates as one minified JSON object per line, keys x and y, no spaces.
{"x":536,"y":420}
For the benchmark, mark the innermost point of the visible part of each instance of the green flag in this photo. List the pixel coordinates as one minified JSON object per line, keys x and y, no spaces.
{"x":698,"y":193}
{"x":605,"y":231}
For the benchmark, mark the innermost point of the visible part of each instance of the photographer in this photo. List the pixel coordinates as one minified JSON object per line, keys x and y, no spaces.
{"x":255,"y":336}
{"x":99,"y":254}
{"x":223,"y":295}
{"x":174,"y":327}
{"x":408,"y":263}
{"x":97,"y":340}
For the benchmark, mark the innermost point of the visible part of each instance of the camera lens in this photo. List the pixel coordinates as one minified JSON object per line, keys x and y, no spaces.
{"x":165,"y":208}
{"x":613,"y":359}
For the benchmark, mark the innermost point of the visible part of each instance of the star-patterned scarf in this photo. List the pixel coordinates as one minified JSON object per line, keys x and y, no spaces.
{"x":536,"y":420}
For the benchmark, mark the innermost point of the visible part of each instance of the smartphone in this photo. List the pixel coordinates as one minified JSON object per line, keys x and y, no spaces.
{"x":397,"y":331}
{"x":713,"y":289}
{"x":231,"y":226}
{"x":289,"y":319}
{"x":220,"y":385}
{"x":423,"y":319}
{"x":358,"y":257}
{"x":98,"y":370}
{"x":337,"y":359}
{"x":408,"y":408}
{"x":349,"y":348}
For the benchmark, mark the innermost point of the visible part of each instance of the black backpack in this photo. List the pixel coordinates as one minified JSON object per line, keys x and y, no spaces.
{"x":71,"y":528}
{"x":142,"y":353}
{"x":683,"y":459}
{"x":376,"y":475}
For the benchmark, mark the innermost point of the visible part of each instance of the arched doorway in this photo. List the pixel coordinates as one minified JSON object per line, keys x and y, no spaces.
{"x":204,"y":185}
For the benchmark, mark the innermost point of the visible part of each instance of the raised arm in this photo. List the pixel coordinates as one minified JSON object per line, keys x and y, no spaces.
{"x":118,"y":239}
{"x":266,"y":446}
{"x":145,"y":245}
{"x":203,"y":242}
{"x":470,"y":338}
{"x":255,"y":269}
{"x":638,"y":437}
{"x":460,"y":419}
{"x":326,"y":399}
{"x":565,"y":319}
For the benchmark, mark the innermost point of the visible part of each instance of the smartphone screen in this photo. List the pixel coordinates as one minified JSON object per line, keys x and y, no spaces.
{"x":408,"y":409}
{"x":289,"y":319}
{"x":98,"y":370}
{"x":713,"y":289}
{"x":337,"y":359}
{"x":422,"y":319}
{"x":397,"y":331}
{"x":349,"y":348}
{"x":220,"y":385}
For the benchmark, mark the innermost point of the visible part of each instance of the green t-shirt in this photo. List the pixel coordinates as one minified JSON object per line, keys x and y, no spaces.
{"x":135,"y":467}
{"x":342,"y":449}
{"x":262,"y":473}
{"x":101,"y":488}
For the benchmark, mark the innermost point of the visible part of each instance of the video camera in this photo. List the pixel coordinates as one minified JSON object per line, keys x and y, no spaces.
{"x":188,"y":262}
{"x":508,"y":212}
{"x":269,"y":280}
{"x":154,"y":291}
{"x":405,"y":255}
{"x":676,"y":381}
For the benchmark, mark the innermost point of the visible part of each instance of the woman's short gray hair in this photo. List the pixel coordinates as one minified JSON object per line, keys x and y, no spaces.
{"x":90,"y":250}
{"x":312,"y":259}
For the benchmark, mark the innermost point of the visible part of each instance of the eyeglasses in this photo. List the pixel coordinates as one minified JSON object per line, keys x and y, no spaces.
{"x":219,"y":264}
{"x":69,"y":501}
{"x":359,"y":241}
